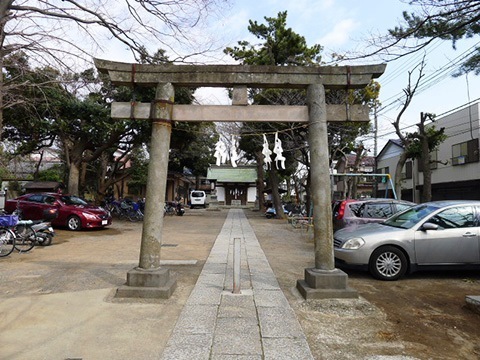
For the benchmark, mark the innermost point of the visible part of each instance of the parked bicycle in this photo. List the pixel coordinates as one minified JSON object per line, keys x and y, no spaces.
{"x":7,"y":242}
{"x":25,"y":235}
{"x":7,"y":236}
{"x":173,"y":208}
{"x":43,"y":229}
{"x":125,"y":209}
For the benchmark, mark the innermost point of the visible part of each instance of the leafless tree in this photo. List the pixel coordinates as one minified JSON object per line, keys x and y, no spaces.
{"x":67,"y":33}
{"x":409,"y":92}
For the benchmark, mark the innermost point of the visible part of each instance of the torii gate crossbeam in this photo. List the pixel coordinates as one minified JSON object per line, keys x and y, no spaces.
{"x":323,"y":281}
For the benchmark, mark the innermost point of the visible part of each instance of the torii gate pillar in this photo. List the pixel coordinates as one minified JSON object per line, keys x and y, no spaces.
{"x":323,"y":281}
{"x":149,"y":280}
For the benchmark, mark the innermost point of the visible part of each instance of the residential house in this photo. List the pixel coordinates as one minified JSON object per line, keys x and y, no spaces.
{"x":43,"y":186}
{"x":233,"y":186}
{"x":178,"y":187}
{"x":23,"y":167}
{"x":386,"y":163}
{"x":455,"y":164}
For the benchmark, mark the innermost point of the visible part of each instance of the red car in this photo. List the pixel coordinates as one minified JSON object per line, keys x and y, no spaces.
{"x":73,"y":212}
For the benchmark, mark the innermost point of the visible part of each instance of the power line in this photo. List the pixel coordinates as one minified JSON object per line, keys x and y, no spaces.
{"x":444,"y":71}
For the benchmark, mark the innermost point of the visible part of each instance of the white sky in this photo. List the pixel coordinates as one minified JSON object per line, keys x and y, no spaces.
{"x":341,"y":26}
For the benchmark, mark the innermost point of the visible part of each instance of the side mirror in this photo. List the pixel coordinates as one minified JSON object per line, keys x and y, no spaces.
{"x":429,"y":226}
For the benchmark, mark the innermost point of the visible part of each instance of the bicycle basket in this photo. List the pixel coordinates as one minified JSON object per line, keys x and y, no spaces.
{"x":8,"y":220}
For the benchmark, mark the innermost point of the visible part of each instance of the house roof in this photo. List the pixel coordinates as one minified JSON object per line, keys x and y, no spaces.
{"x":43,"y":185}
{"x":390,"y":142}
{"x":365,"y":160}
{"x":240,"y":174}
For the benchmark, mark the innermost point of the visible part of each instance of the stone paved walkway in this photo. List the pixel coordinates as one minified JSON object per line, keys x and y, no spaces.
{"x":257,"y":323}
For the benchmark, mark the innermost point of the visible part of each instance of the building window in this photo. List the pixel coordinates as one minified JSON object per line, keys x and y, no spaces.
{"x":408,"y":169}
{"x":465,"y":152}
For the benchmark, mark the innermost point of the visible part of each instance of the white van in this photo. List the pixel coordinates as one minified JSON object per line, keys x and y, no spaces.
{"x":198,"y":198}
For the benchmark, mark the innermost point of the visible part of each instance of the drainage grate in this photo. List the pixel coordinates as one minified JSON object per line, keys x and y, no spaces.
{"x":169,"y":245}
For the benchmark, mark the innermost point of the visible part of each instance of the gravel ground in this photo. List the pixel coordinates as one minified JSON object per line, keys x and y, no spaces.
{"x":420,"y":317}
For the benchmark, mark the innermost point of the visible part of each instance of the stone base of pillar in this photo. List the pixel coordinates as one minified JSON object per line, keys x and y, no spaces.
{"x":473,"y":303}
{"x":324,"y":284}
{"x":149,"y":284}
{"x":213,"y":204}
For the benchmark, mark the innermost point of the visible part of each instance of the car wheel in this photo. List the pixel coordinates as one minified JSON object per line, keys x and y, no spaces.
{"x":388,"y":263}
{"x":74,"y":223}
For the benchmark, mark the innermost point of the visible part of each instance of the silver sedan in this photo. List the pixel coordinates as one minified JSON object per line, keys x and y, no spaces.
{"x":435,"y":234}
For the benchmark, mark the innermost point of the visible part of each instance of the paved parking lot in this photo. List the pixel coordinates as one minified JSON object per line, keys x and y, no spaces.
{"x":60,"y":298}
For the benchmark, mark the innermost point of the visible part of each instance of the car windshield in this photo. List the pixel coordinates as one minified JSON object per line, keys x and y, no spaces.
{"x":410,"y":217}
{"x":73,"y":200}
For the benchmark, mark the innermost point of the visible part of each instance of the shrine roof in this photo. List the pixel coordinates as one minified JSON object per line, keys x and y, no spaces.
{"x":240,"y":174}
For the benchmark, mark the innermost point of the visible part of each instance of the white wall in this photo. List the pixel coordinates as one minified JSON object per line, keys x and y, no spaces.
{"x":252,"y":194}
{"x":458,"y":129}
{"x":460,"y":126}
{"x":389,"y":158}
{"x":220,"y":193}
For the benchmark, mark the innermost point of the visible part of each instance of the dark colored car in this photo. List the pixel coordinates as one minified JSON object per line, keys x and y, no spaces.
{"x":72,"y":211}
{"x":352,"y":212}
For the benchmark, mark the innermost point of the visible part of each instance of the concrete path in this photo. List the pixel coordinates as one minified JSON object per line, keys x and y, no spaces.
{"x":257,"y":323}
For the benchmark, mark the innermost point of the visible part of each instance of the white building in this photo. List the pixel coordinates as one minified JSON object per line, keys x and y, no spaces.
{"x":456,"y":170}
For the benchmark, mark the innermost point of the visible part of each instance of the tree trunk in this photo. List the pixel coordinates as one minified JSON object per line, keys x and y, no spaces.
{"x":4,"y":6}
{"x":73,"y":178}
{"x":296,"y":188}
{"x":308,"y":202}
{"x":37,"y":166}
{"x":260,"y":182}
{"x":398,"y":174}
{"x":277,"y":203}
{"x":427,"y":172}
{"x":197,"y":182}
{"x":83,"y":178}
{"x":289,"y":191}
{"x":4,"y":12}
{"x":102,"y":185}
{"x":2,"y":88}
{"x":356,"y":166}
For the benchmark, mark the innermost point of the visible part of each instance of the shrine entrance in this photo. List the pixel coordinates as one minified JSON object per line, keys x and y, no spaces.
{"x":235,"y":194}
{"x":323,"y":281}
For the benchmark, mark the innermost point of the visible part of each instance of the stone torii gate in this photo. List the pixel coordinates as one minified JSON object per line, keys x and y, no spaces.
{"x":149,"y":279}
